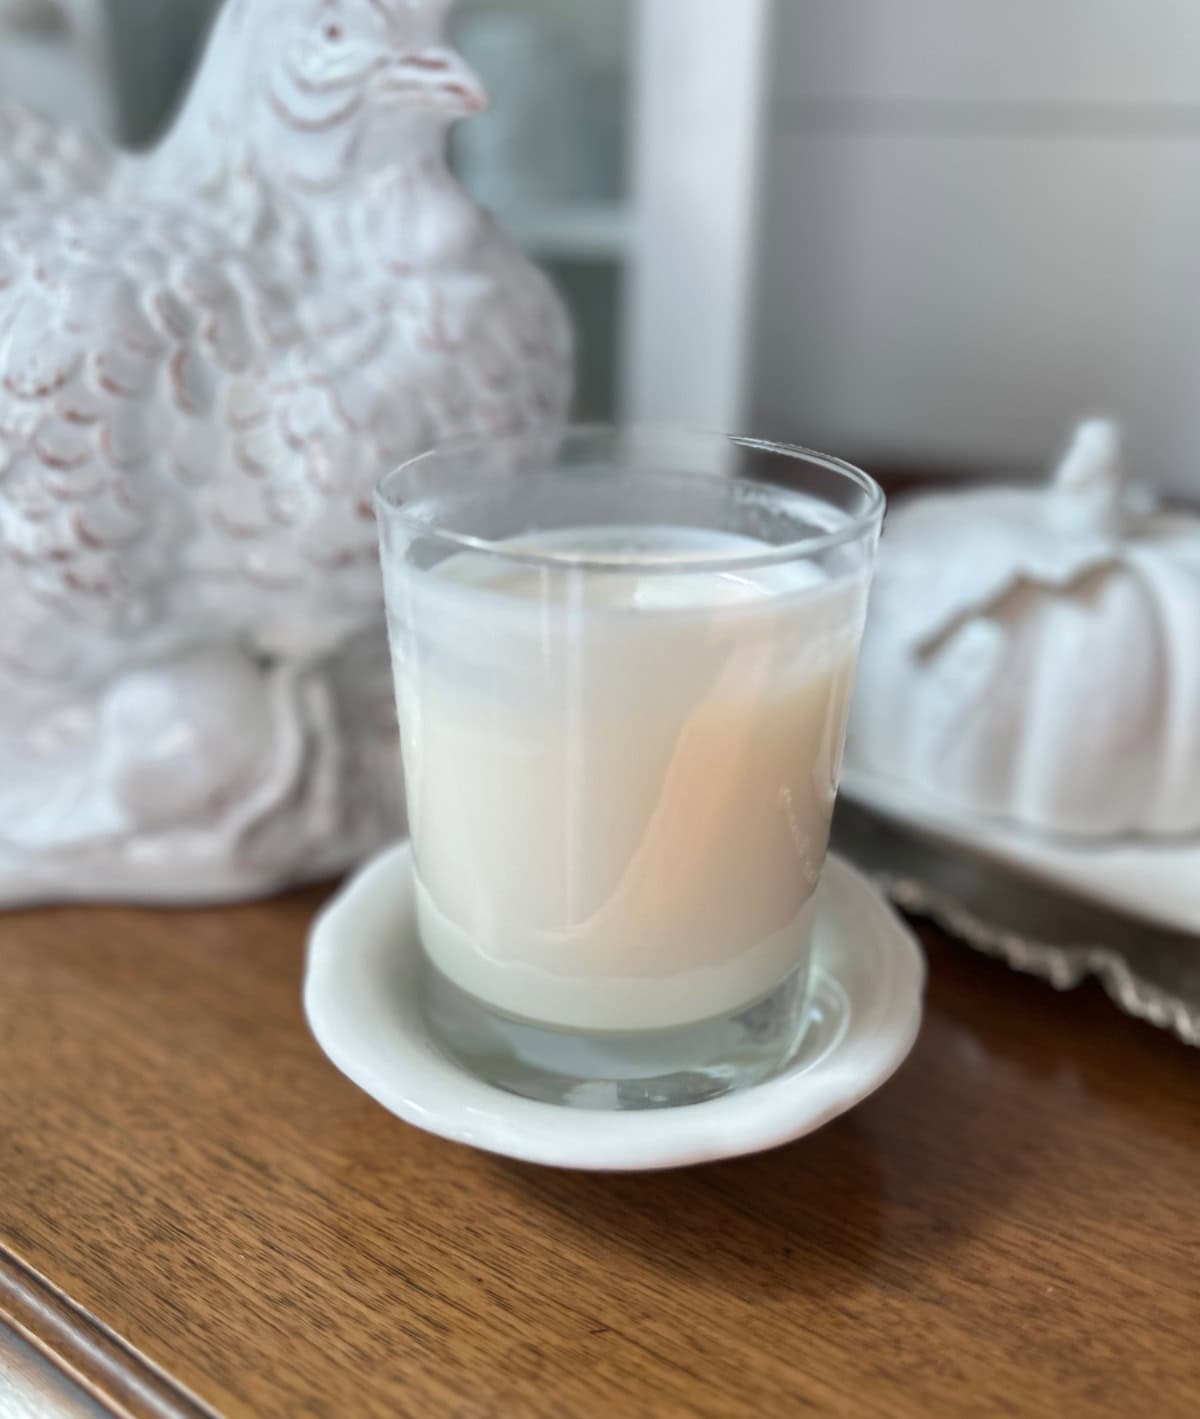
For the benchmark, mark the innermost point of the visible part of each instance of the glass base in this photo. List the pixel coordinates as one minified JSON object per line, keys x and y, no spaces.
{"x":613,"y":1070}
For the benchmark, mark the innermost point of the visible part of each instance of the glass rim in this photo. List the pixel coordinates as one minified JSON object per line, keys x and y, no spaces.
{"x":857,"y":524}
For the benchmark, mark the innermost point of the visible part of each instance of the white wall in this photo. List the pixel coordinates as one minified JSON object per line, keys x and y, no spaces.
{"x":983,"y":219}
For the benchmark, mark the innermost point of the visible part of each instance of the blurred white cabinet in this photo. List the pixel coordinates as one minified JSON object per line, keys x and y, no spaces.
{"x":923,"y":231}
{"x":653,"y":227}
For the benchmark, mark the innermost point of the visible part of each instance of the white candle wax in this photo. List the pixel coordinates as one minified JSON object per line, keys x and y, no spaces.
{"x":620,"y":782}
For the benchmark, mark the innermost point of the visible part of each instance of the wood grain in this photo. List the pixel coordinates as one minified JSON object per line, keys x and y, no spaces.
{"x":1009,"y":1227}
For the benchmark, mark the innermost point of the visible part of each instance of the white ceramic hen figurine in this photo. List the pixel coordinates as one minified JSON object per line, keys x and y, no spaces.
{"x":57,"y":56}
{"x":36,"y":155}
{"x":204,"y":366}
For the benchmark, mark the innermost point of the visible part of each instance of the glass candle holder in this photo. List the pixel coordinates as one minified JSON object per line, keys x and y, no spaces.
{"x":623,"y":661}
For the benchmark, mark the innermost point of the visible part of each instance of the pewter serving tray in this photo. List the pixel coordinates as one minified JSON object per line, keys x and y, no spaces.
{"x":1149,"y":971}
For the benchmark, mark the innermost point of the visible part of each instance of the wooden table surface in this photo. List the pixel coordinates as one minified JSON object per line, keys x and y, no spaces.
{"x":198,"y":1213}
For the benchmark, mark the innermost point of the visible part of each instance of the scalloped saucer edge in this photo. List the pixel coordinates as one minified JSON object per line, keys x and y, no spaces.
{"x":362,"y":1004}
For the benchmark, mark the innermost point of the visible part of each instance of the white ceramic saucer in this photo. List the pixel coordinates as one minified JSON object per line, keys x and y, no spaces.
{"x":1158,"y":882}
{"x":362,"y":1001}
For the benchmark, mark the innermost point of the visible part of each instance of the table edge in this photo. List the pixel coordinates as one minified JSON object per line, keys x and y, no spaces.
{"x":111,"y":1371}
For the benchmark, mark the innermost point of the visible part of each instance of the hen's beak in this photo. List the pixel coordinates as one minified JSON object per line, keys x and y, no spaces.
{"x":440,"y":80}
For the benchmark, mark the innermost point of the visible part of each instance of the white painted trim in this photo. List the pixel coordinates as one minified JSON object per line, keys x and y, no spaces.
{"x":700,"y":98}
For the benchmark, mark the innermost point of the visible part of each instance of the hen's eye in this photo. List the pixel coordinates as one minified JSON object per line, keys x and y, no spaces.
{"x":333,"y":32}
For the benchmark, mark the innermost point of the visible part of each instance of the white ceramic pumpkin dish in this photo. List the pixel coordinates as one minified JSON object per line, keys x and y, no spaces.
{"x":1033,"y":656}
{"x":1158,"y":881}
{"x":1029,"y":686}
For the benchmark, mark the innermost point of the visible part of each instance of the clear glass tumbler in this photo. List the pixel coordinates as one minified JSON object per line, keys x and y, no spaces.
{"x":623,"y":659}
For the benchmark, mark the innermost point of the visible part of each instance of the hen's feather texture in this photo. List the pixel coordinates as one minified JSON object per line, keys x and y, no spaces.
{"x":36,"y":155}
{"x":182,"y":439}
{"x":130,"y":342}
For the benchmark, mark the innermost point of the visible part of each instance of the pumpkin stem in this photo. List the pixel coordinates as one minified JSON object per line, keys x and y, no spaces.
{"x":1087,"y":494}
